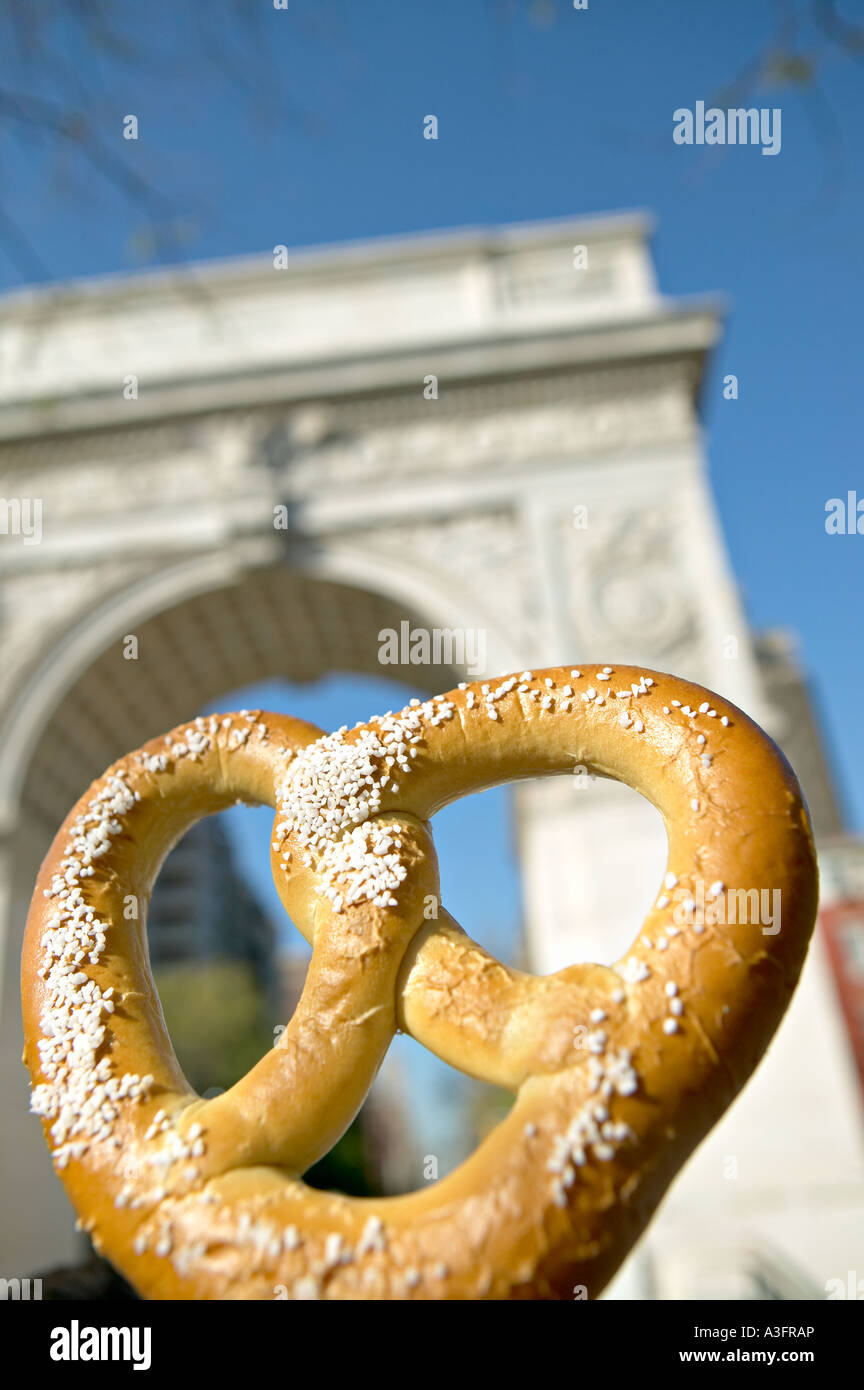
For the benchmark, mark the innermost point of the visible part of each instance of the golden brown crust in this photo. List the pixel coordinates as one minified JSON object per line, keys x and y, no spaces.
{"x":618,"y":1072}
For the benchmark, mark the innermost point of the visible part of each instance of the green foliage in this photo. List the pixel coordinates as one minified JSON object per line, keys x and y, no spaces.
{"x":345,"y":1168}
{"x":217,"y":1020}
{"x":219,"y":1026}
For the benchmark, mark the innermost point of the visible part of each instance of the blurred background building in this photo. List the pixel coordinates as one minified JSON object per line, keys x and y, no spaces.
{"x":255,"y":468}
{"x":202,"y":909}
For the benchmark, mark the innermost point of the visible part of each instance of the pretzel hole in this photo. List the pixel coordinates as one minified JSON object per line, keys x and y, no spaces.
{"x":210,"y":943}
{"x":420,"y":1120}
{"x":567,"y":874}
{"x":481,"y":883}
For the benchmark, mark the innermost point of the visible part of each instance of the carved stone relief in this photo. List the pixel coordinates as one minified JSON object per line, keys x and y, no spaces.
{"x":629,"y":592}
{"x":478,"y":428}
{"x":484,"y":559}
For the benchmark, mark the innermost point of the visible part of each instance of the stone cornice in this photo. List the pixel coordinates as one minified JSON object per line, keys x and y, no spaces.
{"x":323,"y":262}
{"x":683,"y":328}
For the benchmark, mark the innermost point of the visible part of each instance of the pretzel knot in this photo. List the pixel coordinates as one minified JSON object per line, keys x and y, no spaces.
{"x":618,"y":1071}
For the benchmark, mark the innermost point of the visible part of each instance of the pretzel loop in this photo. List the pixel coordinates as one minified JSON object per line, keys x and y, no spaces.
{"x":618,"y":1071}
{"x":342,"y":1026}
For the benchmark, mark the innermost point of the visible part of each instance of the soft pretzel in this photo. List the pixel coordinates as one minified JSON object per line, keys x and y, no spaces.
{"x":618,"y":1071}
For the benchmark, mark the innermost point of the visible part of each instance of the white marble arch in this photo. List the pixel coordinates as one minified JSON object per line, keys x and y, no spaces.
{"x":409,"y":589}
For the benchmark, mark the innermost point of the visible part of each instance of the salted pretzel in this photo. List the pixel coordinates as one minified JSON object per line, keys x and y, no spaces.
{"x":618,"y":1071}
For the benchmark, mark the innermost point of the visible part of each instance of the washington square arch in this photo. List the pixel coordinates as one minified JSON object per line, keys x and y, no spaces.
{"x":254,"y":468}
